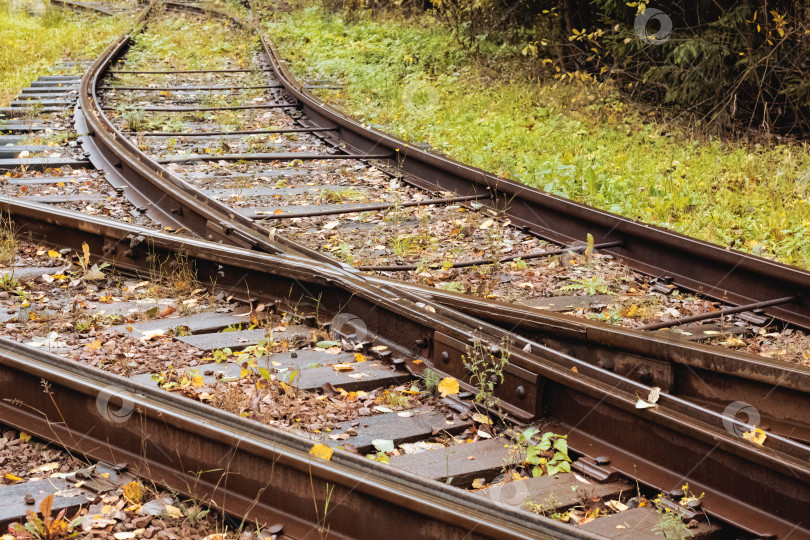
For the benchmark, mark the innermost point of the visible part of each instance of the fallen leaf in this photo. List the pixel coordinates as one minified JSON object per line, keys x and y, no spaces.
{"x":655,"y":393}
{"x":172,"y":511}
{"x":487,"y":224}
{"x":327,"y":344}
{"x":95,"y":345}
{"x":616,"y":506}
{"x":484,"y":434}
{"x":53,"y":254}
{"x":380,"y":408}
{"x":46,"y":468}
{"x":94,"y":273}
{"x":448,"y":386}
{"x":133,"y":492}
{"x":343,"y":367}
{"x":756,"y":436}
{"x":641,"y":404}
{"x":359,"y":357}
{"x":168,"y":310}
{"x":331,"y":225}
{"x":383,"y":445}
{"x":24,"y":437}
{"x":481,"y":418}
{"x":8,"y":477}
{"x":479,"y":483}
{"x":124,"y":535}
{"x":321,"y":451}
{"x":151,"y":334}
{"x":197,"y":380}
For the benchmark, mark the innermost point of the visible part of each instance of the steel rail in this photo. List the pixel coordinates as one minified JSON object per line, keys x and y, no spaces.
{"x":629,"y":360}
{"x":761,"y":489}
{"x":81,"y":6}
{"x":259,"y":473}
{"x":163,"y":196}
{"x":716,"y":272}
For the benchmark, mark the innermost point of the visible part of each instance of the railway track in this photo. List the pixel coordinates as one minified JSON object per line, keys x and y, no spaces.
{"x":308,"y":299}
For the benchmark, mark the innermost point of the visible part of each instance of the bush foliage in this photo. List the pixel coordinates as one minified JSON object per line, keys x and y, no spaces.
{"x":737,"y":65}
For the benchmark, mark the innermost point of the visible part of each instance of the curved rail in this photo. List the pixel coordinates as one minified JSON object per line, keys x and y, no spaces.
{"x":762,"y":490}
{"x":719,"y":273}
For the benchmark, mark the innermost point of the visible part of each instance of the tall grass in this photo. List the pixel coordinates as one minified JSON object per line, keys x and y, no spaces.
{"x":29,"y":46}
{"x":575,"y":139}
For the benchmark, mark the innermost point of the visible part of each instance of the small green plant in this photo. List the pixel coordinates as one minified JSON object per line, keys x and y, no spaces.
{"x":591,"y":286}
{"x":9,"y":283}
{"x":670,"y":524}
{"x":486,"y":369}
{"x":549,"y":456}
{"x":338,"y":196}
{"x":431,"y":380}
{"x":8,"y":240}
{"x":194,"y":513}
{"x":221,"y":355}
{"x":134,"y":119}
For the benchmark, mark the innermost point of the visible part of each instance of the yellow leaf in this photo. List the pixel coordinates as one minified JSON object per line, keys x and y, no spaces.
{"x":24,"y":437}
{"x":86,"y":251}
{"x":343,"y":367}
{"x":287,"y":389}
{"x":133,"y":492}
{"x":757,"y":436}
{"x":359,"y":357}
{"x":197,"y":380}
{"x":95,"y":345}
{"x":448,"y":386}
{"x":53,"y":254}
{"x":12,"y":478}
{"x":479,"y":483}
{"x":172,"y":511}
{"x":322,"y":451}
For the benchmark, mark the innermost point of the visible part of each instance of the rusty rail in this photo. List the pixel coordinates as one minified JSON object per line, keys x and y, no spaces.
{"x":759,"y":489}
{"x":726,"y":275}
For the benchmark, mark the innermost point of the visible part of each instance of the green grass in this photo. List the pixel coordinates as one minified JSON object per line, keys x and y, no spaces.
{"x":180,"y":41}
{"x":578,"y":140}
{"x":29,"y":46}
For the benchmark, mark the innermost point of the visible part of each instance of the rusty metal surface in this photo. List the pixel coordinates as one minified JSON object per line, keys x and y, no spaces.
{"x":674,"y":442}
{"x":262,"y":473}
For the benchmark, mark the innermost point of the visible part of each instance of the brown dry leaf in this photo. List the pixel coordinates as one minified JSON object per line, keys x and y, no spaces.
{"x":168,"y":310}
{"x":448,"y":386}
{"x":322,"y":451}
